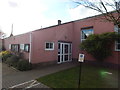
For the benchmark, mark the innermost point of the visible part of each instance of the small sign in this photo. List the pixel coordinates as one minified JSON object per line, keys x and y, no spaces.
{"x":81,"y":58}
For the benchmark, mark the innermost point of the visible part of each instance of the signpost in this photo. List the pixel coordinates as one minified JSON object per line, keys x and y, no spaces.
{"x":80,"y":60}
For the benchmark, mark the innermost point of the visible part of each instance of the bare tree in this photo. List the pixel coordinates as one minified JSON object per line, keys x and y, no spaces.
{"x":102,"y":6}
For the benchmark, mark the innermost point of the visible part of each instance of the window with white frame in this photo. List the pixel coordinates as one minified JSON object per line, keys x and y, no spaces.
{"x":117,"y":43}
{"x":49,"y":46}
{"x":21,"y":46}
{"x":26,"y":47}
{"x":85,"y":33}
{"x":15,"y":47}
{"x":9,"y":46}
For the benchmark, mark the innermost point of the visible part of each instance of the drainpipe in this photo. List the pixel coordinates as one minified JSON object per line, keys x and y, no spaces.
{"x":30,"y":53}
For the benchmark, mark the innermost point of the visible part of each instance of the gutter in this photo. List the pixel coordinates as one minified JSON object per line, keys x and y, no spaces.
{"x":30,"y":53}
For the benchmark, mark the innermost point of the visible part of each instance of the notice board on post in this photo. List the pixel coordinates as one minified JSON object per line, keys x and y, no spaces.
{"x":81,"y":58}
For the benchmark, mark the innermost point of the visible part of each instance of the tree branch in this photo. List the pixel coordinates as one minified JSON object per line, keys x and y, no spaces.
{"x":102,"y":8}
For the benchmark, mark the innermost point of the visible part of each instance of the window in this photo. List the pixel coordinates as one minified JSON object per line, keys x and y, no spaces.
{"x":85,"y":33}
{"x":21,"y":46}
{"x":117,"y":43}
{"x":49,"y":46}
{"x":9,"y":46}
{"x":15,"y":47}
{"x":26,"y":47}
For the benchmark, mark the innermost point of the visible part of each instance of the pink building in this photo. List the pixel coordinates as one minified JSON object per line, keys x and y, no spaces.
{"x":1,"y":44}
{"x":60,"y":43}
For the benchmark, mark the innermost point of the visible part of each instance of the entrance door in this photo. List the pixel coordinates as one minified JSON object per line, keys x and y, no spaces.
{"x":64,"y":52}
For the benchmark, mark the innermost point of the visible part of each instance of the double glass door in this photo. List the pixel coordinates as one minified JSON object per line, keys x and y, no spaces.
{"x":64,"y":52}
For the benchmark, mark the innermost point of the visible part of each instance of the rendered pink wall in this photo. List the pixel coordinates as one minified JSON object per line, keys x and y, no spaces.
{"x":1,"y":44}
{"x":54,"y":34}
{"x":98,"y":27}
{"x":18,"y":39}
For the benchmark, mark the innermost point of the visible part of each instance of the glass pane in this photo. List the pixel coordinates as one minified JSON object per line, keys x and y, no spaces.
{"x":62,"y":49}
{"x":27,"y":47}
{"x":70,"y":48}
{"x":58,"y":51}
{"x":22,"y":46}
{"x":47,"y":45}
{"x":86,"y":33}
{"x":58,"y":48}
{"x":118,"y":41}
{"x":58,"y":45}
{"x":58,"y":58}
{"x":12,"y":47}
{"x":83,"y":35}
{"x":15,"y":47}
{"x":66,"y":57}
{"x":62,"y":58}
{"x":116,"y":28}
{"x":51,"y":45}
{"x":118,"y":47}
{"x":66,"y":48}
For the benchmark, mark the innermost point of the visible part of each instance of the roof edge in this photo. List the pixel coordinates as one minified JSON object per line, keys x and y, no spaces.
{"x":72,"y":21}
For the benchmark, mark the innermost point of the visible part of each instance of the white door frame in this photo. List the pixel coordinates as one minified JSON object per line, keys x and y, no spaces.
{"x":62,"y":53}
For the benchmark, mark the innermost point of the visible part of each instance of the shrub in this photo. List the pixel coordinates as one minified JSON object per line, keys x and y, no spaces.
{"x":24,"y":65}
{"x":5,"y":54}
{"x":8,"y":61}
{"x":12,"y":61}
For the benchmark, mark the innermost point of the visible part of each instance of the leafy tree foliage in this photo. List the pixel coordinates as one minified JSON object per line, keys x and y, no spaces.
{"x":100,"y":45}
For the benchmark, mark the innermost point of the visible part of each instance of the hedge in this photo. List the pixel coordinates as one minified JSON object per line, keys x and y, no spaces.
{"x":24,"y":65}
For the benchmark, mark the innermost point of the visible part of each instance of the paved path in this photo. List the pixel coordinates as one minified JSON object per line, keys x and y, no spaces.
{"x":13,"y":77}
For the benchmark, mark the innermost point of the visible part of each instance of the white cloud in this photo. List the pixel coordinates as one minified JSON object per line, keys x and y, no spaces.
{"x":12,"y":4}
{"x":26,"y":15}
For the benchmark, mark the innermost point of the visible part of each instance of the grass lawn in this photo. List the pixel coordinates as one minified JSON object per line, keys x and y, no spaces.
{"x":91,"y":77}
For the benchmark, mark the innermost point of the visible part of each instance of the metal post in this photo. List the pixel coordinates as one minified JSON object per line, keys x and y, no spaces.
{"x":79,"y":74}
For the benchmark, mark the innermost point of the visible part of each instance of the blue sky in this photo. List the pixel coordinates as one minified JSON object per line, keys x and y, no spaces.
{"x":29,"y":15}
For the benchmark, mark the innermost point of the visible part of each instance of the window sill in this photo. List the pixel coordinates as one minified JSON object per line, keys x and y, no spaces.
{"x":49,"y":49}
{"x":26,"y":51}
{"x":117,"y":50}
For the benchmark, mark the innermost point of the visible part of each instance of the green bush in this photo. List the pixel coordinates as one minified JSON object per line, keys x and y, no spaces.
{"x":8,"y":61}
{"x":24,"y":65}
{"x":12,"y":61}
{"x":4,"y":57}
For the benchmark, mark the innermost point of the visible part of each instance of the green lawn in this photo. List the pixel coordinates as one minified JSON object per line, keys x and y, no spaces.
{"x":91,"y":77}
